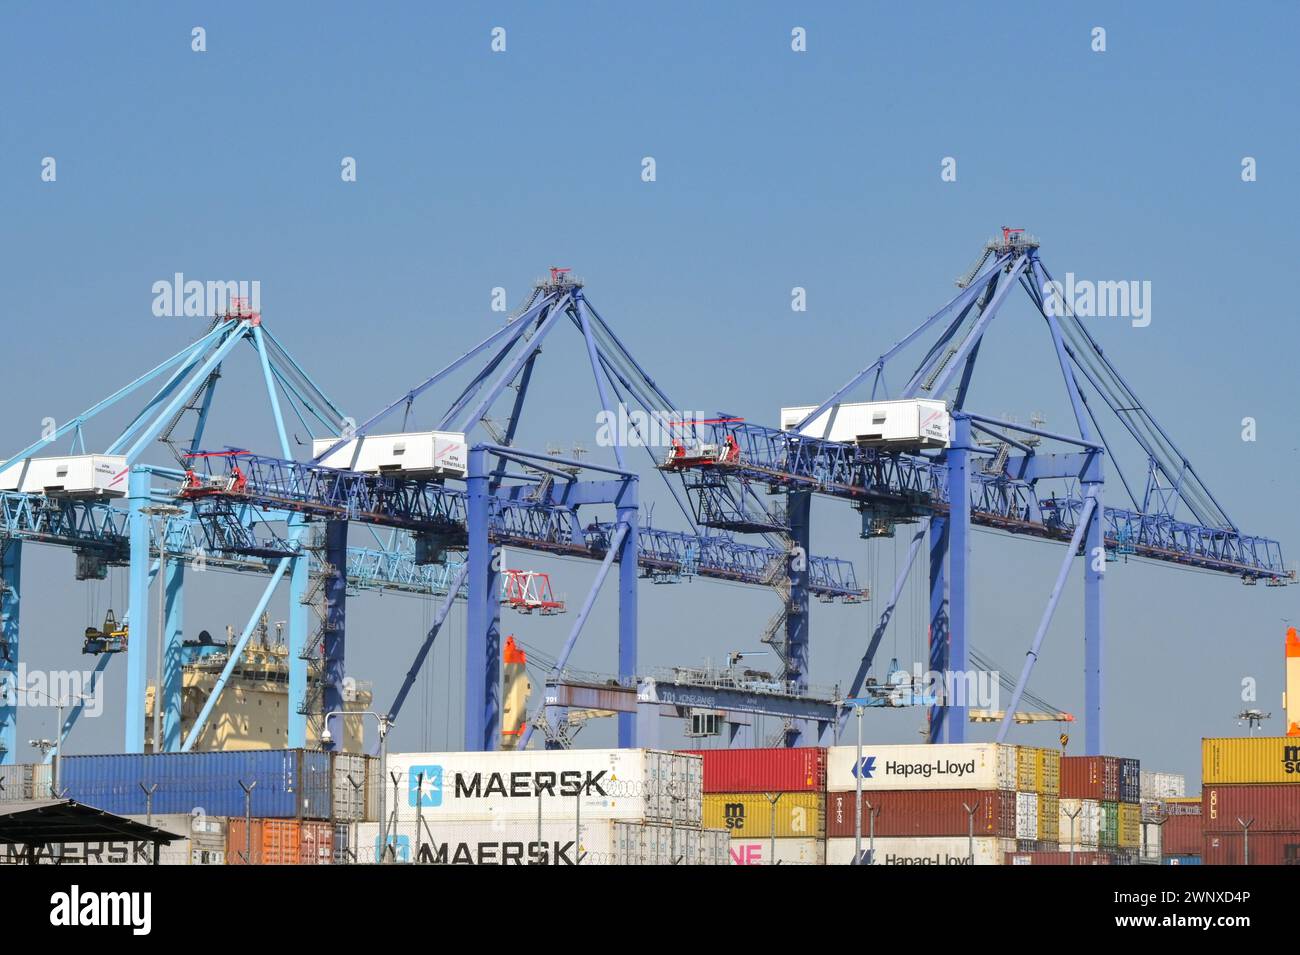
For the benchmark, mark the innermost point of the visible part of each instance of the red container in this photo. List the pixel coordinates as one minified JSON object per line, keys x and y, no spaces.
{"x":764,"y":770}
{"x":279,"y":842}
{"x":1273,"y":808}
{"x":1090,"y":777}
{"x":1182,"y":835}
{"x":1057,"y":858}
{"x":1266,"y":848}
{"x":924,"y":812}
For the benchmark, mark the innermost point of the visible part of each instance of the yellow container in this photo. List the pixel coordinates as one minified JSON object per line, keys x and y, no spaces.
{"x":1250,"y":759}
{"x":1051,"y":772}
{"x":1049,"y":818}
{"x":750,"y":815}
{"x":1027,"y":769}
{"x":1130,"y":825}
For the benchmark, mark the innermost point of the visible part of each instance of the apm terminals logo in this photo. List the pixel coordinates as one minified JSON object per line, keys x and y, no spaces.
{"x":425,"y":785}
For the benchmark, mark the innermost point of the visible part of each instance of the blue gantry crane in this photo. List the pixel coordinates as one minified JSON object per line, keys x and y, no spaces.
{"x":1011,"y":477}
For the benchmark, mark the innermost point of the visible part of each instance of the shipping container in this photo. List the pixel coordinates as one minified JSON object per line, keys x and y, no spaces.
{"x":925,"y":812}
{"x":1269,"y":808}
{"x":1182,"y":834}
{"x":802,"y":769}
{"x":290,"y":783}
{"x":1057,"y":858}
{"x":515,"y":841}
{"x":16,"y":782}
{"x":1129,"y":823}
{"x":1157,"y":786}
{"x":934,"y":766}
{"x":1130,"y":780}
{"x":936,"y":850}
{"x":1251,"y":759}
{"x":1049,"y":772}
{"x":1079,"y":822}
{"x":1109,"y":833}
{"x":1090,"y":777}
{"x":1182,"y":860}
{"x":753,"y":815}
{"x":205,"y":836}
{"x":1049,"y":817}
{"x":777,"y":851}
{"x":1027,"y":768}
{"x":1152,"y":848}
{"x":353,"y":773}
{"x":1266,"y":848}
{"x":279,"y":842}
{"x":641,"y":784}
{"x":1027,"y":816}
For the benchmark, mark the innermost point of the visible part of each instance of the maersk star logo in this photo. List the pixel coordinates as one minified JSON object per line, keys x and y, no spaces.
{"x":425,"y":784}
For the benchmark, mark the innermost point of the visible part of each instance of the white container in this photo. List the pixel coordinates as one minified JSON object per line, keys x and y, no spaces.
{"x":934,"y":766}
{"x":1149,"y":847}
{"x":939,"y":850}
{"x":907,"y":423}
{"x":351,"y":773}
{"x":516,"y":841}
{"x":16,"y":782}
{"x":1087,"y":825}
{"x":79,"y":475}
{"x":787,"y":852}
{"x":1162,"y":785}
{"x":637,"y":784}
{"x":1026,"y":815}
{"x":414,"y":454}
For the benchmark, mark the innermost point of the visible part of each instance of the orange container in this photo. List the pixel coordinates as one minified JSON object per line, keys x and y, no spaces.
{"x":279,"y":842}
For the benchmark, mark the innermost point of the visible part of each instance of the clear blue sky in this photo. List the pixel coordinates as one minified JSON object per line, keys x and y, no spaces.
{"x":775,"y":170}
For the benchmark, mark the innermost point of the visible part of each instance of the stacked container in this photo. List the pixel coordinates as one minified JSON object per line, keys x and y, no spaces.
{"x":1181,"y":838}
{"x":1155,"y":789}
{"x":279,"y":842}
{"x":1250,"y":800}
{"x":938,"y":804}
{"x":1114,"y":784}
{"x":772,"y":802}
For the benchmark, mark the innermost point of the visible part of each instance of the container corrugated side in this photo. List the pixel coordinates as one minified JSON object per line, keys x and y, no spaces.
{"x":937,"y":850}
{"x":1251,"y":759}
{"x":1266,"y":848}
{"x":1109,"y":835}
{"x":1049,"y":818}
{"x":934,"y":766}
{"x":1182,"y":834}
{"x":291,"y":783}
{"x":800,"y":769}
{"x":16,"y":782}
{"x":777,"y":852}
{"x":1057,"y":858}
{"x":1027,"y":816}
{"x":279,"y":842}
{"x":351,"y":774}
{"x":1130,"y":780}
{"x":924,"y":812}
{"x":1129,"y":823}
{"x":1027,"y":769}
{"x":1079,"y":822}
{"x":1181,"y":860}
{"x":1162,"y":785}
{"x":1269,"y":808}
{"x":752,"y":815}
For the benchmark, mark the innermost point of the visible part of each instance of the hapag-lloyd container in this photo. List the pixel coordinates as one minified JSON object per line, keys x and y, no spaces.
{"x":1084,"y":829}
{"x":924,"y":812}
{"x":641,"y":784}
{"x":802,"y":769}
{"x":291,"y":783}
{"x":935,"y":766}
{"x":777,"y":851}
{"x":938,"y":850}
{"x":516,"y":841}
{"x":1270,"y":808}
{"x":1266,"y":848}
{"x":1251,"y":759}
{"x":753,"y":815}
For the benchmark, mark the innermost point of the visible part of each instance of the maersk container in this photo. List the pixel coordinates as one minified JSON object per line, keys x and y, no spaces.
{"x":925,"y":812}
{"x":754,"y":815}
{"x":1079,"y":822}
{"x":801,"y":769}
{"x":939,"y":850}
{"x":1157,"y":786}
{"x":642,"y":784}
{"x":291,"y":783}
{"x":936,"y":766}
{"x":1251,"y":759}
{"x":777,"y":851}
{"x":1273,"y":808}
{"x":1266,"y":848}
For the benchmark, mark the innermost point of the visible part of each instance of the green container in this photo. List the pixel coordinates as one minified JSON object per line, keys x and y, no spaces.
{"x":1109,"y":836}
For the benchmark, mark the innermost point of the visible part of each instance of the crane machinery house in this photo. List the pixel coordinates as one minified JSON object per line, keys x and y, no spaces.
{"x":412,"y":454}
{"x":910,"y":423}
{"x":78,"y":475}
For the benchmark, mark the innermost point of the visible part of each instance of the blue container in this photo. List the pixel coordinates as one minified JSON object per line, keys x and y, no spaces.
{"x":1182,"y":860}
{"x":291,"y":783}
{"x":1130,"y":780}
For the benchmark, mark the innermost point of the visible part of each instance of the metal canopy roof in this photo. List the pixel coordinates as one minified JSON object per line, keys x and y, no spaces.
{"x":35,"y":822}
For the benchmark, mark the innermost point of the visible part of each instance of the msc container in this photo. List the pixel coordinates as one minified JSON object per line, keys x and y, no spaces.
{"x":1129,"y":825}
{"x":1162,"y":785}
{"x":1272,"y":808}
{"x":1108,"y":837}
{"x":414,"y":454}
{"x":1057,"y":858}
{"x":939,"y":850}
{"x":1266,"y":848}
{"x":1090,"y":777}
{"x":1130,"y":780}
{"x":644,"y":784}
{"x":351,"y":777}
{"x":925,"y":812}
{"x":291,"y":783}
{"x":1251,"y":759}
{"x":1049,"y":817}
{"x":279,"y":842}
{"x":753,"y":815}
{"x":908,"y":422}
{"x":1084,"y":830}
{"x":1026,"y":815}
{"x":801,"y":769}
{"x":80,"y":476}
{"x":777,"y":851}
{"x":934,"y":766}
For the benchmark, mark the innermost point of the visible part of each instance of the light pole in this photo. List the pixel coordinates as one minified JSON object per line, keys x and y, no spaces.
{"x":164,"y":511}
{"x":385,"y":724}
{"x":45,"y":745}
{"x":858,"y":704}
